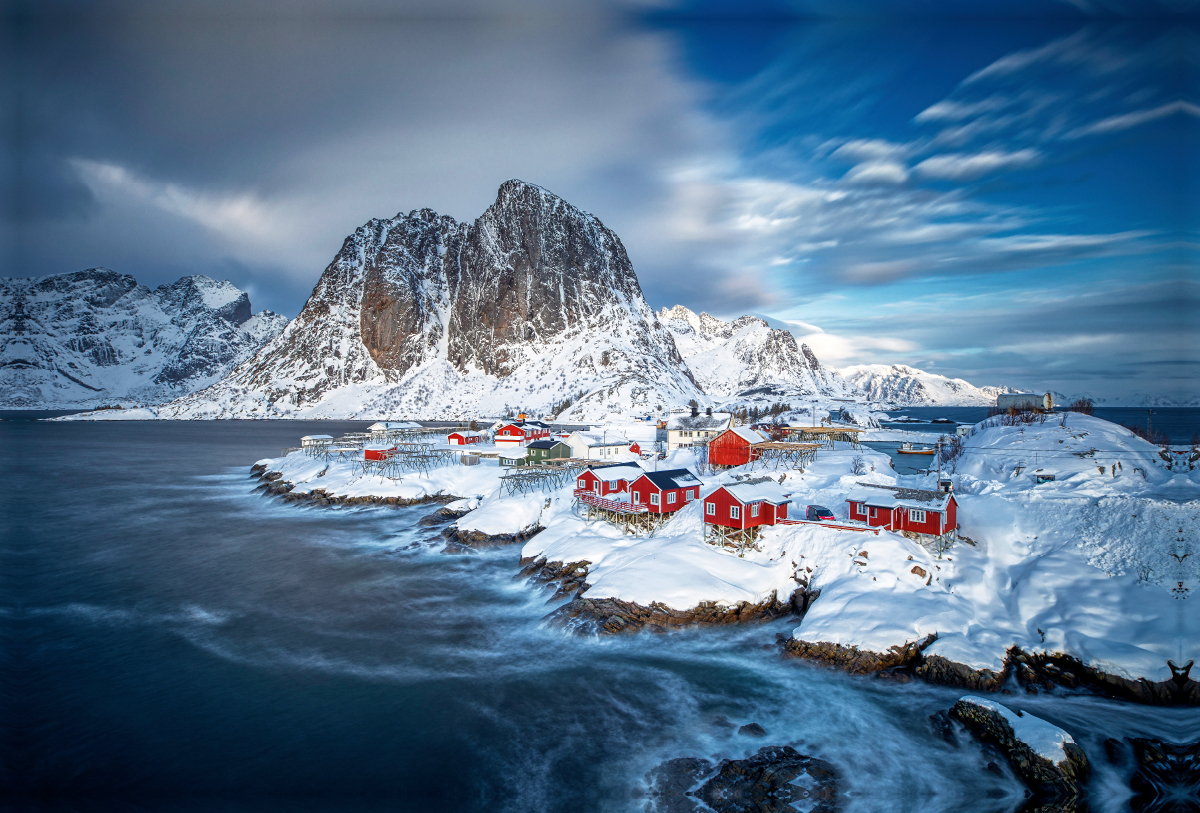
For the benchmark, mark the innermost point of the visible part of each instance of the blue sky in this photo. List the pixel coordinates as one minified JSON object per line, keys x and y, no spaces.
{"x":1009,"y":199}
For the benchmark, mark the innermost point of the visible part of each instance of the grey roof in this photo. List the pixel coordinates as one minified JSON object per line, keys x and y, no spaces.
{"x":908,"y":497}
{"x":544,"y":444}
{"x":673,"y":478}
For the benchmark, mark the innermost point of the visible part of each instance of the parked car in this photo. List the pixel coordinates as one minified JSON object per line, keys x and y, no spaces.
{"x":819,"y":513}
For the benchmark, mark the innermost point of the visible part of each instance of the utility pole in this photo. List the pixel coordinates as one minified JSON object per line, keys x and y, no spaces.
{"x":939,"y":462}
{"x":1149,"y":418}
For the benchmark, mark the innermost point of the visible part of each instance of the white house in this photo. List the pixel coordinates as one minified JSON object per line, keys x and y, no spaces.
{"x":684,"y":430}
{"x":587,"y":446}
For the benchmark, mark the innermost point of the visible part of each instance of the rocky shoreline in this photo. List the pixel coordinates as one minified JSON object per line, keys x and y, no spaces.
{"x":1033,"y":672}
{"x":273,"y":485}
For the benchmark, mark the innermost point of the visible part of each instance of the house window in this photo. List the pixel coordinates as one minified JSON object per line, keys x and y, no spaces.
{"x":734,"y":512}
{"x":654,"y":499}
{"x":916,"y":515}
{"x":873,"y":513}
{"x":583,"y":483}
{"x":690,"y":495}
{"x":754,"y":510}
{"x":710,"y":508}
{"x":671,"y":498}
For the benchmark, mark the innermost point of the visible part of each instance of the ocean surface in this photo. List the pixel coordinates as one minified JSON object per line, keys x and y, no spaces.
{"x":1180,"y":424}
{"x":171,"y":640}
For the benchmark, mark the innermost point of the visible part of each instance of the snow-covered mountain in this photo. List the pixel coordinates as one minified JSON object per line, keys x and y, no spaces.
{"x":96,"y":336}
{"x":746,"y":362}
{"x":533,"y":304}
{"x":901,"y":386}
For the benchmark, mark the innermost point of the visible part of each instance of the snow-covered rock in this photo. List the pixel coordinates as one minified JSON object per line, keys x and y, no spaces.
{"x":96,"y":336}
{"x":533,"y":304}
{"x":746,"y":362}
{"x":901,"y":386}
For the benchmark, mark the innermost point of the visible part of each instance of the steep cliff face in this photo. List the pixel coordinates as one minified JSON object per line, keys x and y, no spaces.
{"x":745,"y":361}
{"x":97,"y":336}
{"x":900,"y":386}
{"x":533,"y":304}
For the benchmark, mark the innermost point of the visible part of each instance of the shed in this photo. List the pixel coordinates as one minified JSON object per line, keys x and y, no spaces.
{"x":588,"y":446}
{"x":309,"y":441}
{"x":684,"y":430}
{"x":735,"y":447}
{"x":463,"y":438}
{"x":377,"y":451}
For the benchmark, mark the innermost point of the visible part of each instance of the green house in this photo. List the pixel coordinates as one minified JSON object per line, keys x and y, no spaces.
{"x":541,"y":452}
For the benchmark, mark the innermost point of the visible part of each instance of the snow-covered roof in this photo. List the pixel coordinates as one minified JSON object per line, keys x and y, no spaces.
{"x":317,"y":437}
{"x":617,"y":471}
{"x":672,"y":478}
{"x":466,"y":433}
{"x":895,"y":497}
{"x":590,"y":440}
{"x":514,"y":454}
{"x":749,"y":435}
{"x":687,"y":421}
{"x":764,"y":489}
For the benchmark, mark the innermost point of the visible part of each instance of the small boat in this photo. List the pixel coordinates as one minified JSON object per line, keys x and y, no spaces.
{"x":908,"y":448}
{"x":941,"y":420}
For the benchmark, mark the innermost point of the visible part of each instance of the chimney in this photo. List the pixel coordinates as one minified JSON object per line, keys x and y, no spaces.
{"x":708,"y":412}
{"x":695,"y":411}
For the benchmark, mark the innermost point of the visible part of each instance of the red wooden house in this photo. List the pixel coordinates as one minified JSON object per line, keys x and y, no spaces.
{"x":665,"y":492}
{"x":734,"y":447}
{"x":462,"y":438}
{"x":734,"y":513}
{"x":605,"y":480}
{"x":517,"y":433}
{"x":911,"y":511}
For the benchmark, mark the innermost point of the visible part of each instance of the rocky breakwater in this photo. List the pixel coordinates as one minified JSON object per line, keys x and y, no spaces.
{"x":776,"y":779}
{"x":273,"y":485}
{"x":1045,"y":756}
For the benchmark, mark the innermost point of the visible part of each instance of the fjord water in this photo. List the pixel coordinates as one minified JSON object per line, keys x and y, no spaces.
{"x":174,"y":641}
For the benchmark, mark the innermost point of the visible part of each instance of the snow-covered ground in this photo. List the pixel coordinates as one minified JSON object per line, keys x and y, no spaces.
{"x":1093,"y":565}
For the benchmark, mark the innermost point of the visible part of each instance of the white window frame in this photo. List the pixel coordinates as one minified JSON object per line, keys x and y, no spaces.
{"x":653,"y":498}
{"x":710,"y":508}
{"x":671,"y":495}
{"x":916,"y":514}
{"x":872,"y":513}
{"x":637,"y":498}
{"x":735,"y":512}
{"x":583,"y":484}
{"x":689,"y":495}
{"x":754,"y":510}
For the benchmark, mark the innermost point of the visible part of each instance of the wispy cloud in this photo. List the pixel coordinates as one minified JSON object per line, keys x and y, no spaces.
{"x":1124,"y":121}
{"x":969,"y":166}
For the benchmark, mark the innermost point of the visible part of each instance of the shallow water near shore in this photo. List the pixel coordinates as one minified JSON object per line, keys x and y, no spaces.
{"x":174,"y":641}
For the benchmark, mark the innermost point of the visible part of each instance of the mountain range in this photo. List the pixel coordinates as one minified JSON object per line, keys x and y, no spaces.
{"x":532,"y":306}
{"x":93,"y":337}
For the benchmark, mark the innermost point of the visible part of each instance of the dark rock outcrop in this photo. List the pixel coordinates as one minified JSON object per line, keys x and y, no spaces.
{"x":477,"y":540}
{"x":858,"y":661}
{"x":610,"y":616}
{"x":1057,"y":785}
{"x":773,"y":780}
{"x":1167,"y":778}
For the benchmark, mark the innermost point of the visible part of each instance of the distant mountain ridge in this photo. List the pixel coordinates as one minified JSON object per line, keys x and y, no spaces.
{"x":94,"y":337}
{"x":903,"y":386}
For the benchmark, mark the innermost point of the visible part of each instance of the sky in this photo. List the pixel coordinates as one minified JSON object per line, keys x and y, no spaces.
{"x":1000,"y":191}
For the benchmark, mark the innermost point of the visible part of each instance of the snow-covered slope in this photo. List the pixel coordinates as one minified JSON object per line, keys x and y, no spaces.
{"x":901,"y":386}
{"x":532,"y":304}
{"x":746,"y":362}
{"x":96,"y":336}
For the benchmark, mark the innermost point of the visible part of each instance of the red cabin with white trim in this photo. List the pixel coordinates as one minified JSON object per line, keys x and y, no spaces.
{"x":378,"y":452}
{"x":518,"y":433}
{"x":911,"y":510}
{"x":749,"y":504}
{"x":605,"y":480}
{"x":463,"y":438}
{"x":665,"y":492}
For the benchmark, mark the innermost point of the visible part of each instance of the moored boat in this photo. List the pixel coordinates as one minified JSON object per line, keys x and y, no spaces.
{"x":908,"y":448}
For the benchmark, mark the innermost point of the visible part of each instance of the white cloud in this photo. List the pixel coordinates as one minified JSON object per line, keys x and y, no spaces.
{"x":948,"y":110}
{"x":877,"y":172}
{"x":871,"y":149}
{"x":969,"y":166}
{"x":1132,"y":119}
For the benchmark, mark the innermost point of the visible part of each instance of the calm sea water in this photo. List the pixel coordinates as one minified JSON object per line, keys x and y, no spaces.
{"x":1179,"y":423}
{"x":173,"y":641}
